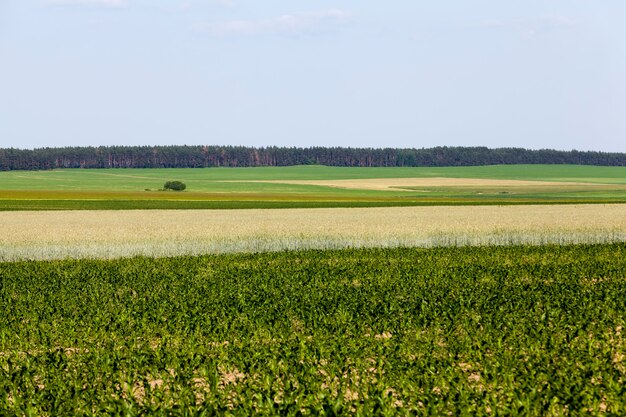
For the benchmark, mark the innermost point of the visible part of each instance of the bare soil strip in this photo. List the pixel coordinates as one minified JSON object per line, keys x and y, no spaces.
{"x":381,"y":184}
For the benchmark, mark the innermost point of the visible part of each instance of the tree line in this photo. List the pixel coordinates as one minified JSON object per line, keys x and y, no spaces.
{"x":239,"y":156}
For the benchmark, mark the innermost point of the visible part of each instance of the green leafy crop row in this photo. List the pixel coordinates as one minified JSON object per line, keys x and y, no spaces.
{"x":464,"y":331}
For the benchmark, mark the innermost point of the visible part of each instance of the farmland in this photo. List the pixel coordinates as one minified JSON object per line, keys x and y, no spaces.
{"x":461,"y":331}
{"x":310,"y":186}
{"x":314,"y":290}
{"x":109,"y":234}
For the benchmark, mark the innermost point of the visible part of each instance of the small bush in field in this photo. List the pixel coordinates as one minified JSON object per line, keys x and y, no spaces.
{"x":174,"y":185}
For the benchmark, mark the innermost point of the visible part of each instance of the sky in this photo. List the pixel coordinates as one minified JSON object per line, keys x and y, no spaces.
{"x":356,"y":73}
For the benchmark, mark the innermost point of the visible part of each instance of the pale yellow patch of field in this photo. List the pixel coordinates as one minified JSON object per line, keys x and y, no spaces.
{"x":381,"y":184}
{"x":109,"y":234}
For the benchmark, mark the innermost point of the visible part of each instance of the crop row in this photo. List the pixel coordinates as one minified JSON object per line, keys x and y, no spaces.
{"x":465,"y":331}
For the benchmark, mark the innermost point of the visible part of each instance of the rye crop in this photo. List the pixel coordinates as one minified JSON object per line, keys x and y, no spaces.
{"x":110,"y":234}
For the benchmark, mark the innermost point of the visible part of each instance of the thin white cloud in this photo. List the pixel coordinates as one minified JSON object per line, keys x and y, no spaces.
{"x":191,"y":4}
{"x":89,"y":3}
{"x":226,"y":3}
{"x":529,"y":27}
{"x":287,"y":24}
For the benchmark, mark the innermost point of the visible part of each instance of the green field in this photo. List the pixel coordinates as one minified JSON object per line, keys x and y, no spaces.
{"x":463,"y":330}
{"x":458,"y":331}
{"x":244,"y":187}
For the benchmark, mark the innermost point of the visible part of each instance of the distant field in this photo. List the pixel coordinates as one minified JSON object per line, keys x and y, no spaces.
{"x":310,"y":186}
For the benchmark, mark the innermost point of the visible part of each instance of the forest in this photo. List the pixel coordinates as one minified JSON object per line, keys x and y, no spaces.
{"x":184,"y":156}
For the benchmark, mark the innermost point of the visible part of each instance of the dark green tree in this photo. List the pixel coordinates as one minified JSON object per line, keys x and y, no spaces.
{"x":174,"y":185}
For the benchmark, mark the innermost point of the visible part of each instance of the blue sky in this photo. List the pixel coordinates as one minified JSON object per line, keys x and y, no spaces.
{"x":407,"y":73}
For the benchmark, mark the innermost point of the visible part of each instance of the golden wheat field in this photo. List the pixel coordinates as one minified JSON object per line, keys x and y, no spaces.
{"x":111,"y":234}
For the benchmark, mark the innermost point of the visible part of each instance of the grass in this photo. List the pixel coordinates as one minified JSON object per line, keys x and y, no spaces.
{"x":237,"y":187}
{"x":451,"y":331}
{"x":202,"y":179}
